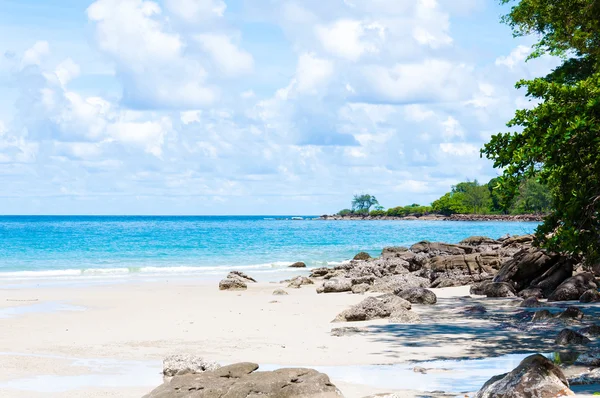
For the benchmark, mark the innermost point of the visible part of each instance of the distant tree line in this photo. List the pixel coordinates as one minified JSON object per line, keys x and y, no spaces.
{"x":467,"y":197}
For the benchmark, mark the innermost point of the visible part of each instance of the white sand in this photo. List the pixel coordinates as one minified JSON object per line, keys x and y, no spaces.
{"x":147,"y":321}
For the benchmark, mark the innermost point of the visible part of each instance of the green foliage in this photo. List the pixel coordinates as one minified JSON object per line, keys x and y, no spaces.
{"x":377,"y":213}
{"x":557,"y":141}
{"x":344,"y":212}
{"x":533,"y":198}
{"x":450,"y":203}
{"x":412,"y":210}
{"x":363,"y":203}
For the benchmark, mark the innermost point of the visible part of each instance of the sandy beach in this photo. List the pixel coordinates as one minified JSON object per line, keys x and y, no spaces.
{"x":109,"y":340}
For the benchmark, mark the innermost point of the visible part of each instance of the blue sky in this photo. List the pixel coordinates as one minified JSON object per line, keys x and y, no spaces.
{"x":249,"y":106}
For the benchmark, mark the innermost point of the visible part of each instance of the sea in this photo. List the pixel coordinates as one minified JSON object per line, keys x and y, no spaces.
{"x":76,"y":247}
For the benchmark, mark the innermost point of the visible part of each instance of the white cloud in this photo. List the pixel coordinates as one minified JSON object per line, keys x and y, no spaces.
{"x":196,"y":10}
{"x":312,"y":73}
{"x":148,"y":135}
{"x":351,"y":39}
{"x":150,"y":59}
{"x":452,"y":129}
{"x":432,"y":25}
{"x":227,"y":56}
{"x":516,"y":57}
{"x":188,"y":117}
{"x":35,"y":54}
{"x":67,"y":71}
{"x":459,"y":149}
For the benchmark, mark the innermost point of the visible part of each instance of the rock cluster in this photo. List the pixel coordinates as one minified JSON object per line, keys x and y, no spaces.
{"x":236,"y":280}
{"x":386,"y":306}
{"x":241,"y":381}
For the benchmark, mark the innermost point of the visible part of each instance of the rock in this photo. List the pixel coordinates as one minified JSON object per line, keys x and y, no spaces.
{"x":299,"y":281}
{"x":571,"y":313}
{"x":232,"y":284}
{"x":525,"y":266}
{"x":478,"y":241}
{"x":362,"y":256}
{"x":531,"y":302}
{"x":531,"y":292}
{"x":417,"y":295}
{"x":571,"y":337}
{"x":360,"y":288}
{"x":394,"y":302}
{"x":552,"y":278}
{"x":535,"y":377}
{"x":419,"y":369}
{"x":347,"y":331}
{"x":241,"y":381}
{"x":541,"y":316}
{"x":404,"y":316}
{"x":390,"y":284}
{"x":499,"y":289}
{"x":320,"y":290}
{"x":337,"y":285}
{"x":319,"y":272}
{"x":280,"y":292}
{"x":369,"y":308}
{"x":473,"y":310}
{"x":467,"y":264}
{"x":437,"y":248}
{"x":590,"y":296}
{"x":589,"y":357}
{"x":241,"y":276}
{"x":389,"y":252}
{"x":593,"y":331}
{"x":518,"y":240}
{"x":477,"y":289}
{"x":175,"y":365}
{"x":368,"y":280}
{"x":298,"y":264}
{"x":574,"y":287}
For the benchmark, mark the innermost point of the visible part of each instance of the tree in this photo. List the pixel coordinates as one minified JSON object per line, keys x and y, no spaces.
{"x":557,"y":141}
{"x":533,"y":198}
{"x":450,"y":203}
{"x":363,"y":203}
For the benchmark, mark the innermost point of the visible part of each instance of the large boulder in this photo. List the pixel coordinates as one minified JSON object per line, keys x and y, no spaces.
{"x":417,"y":295}
{"x":469,"y":264}
{"x":536,"y":376}
{"x":374,"y":308}
{"x":574,"y":287}
{"x":337,"y":285}
{"x":478,"y":241}
{"x":298,"y":264}
{"x":571,"y":337}
{"x":175,"y":365}
{"x":390,"y":252}
{"x":440,"y":248}
{"x":362,"y":256}
{"x":241,"y":381}
{"x":524,"y":267}
{"x":299,"y":281}
{"x":390,"y":284}
{"x":404,"y":316}
{"x":553,"y":277}
{"x":241,"y":276}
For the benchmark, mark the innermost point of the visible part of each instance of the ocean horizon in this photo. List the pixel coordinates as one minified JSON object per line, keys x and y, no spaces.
{"x":56,"y":246}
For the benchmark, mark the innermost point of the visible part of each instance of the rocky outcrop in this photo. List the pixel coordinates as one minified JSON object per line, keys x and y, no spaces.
{"x":531,"y":302}
{"x":536,"y":376}
{"x":337,"y":285}
{"x":498,"y":289}
{"x":390,"y":284}
{"x":571,"y":337}
{"x":232,"y":284}
{"x":241,"y":276}
{"x":280,"y":292}
{"x":176,"y":365}
{"x":373,"y":308}
{"x":241,"y":381}
{"x":298,"y":264}
{"x":417,"y":295}
{"x":574,"y":287}
{"x":525,"y":266}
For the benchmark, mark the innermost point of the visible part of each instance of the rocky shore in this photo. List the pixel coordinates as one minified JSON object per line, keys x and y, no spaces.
{"x":399,"y":287}
{"x":439,"y":217}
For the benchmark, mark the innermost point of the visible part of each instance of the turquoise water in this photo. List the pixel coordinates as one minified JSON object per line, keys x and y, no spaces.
{"x":48,"y":246}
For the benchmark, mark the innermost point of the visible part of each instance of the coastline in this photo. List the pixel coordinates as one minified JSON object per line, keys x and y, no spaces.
{"x":439,"y":217}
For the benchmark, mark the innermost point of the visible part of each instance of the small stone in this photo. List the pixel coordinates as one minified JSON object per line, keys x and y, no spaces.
{"x":280,"y":292}
{"x":571,"y":337}
{"x":298,"y":264}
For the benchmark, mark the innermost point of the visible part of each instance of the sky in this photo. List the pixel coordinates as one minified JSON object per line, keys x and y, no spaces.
{"x":249,"y":106}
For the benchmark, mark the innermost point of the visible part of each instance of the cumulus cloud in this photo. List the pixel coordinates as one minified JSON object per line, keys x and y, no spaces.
{"x":350,"y":39}
{"x":196,"y":10}
{"x":516,"y":57}
{"x":35,"y":54}
{"x":230,"y":59}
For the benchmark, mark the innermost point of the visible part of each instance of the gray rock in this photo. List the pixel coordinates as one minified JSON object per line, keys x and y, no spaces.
{"x":362,"y":256}
{"x":369,"y":308}
{"x":473,"y":310}
{"x":299,"y":281}
{"x":241,"y":276}
{"x":363,"y":280}
{"x":417,"y":295}
{"x":535,"y":377}
{"x":232,"y":284}
{"x":552,"y":278}
{"x":524,"y":267}
{"x":390,"y":252}
{"x":478,"y":241}
{"x":530,"y":302}
{"x":437,"y":248}
{"x":182,"y":364}
{"x":571,"y":337}
{"x":531,"y":292}
{"x":574,"y":287}
{"x":571,"y":313}
{"x":390,"y":284}
{"x":590,"y":357}
{"x":394,"y":302}
{"x":360,"y":288}
{"x":280,"y":292}
{"x":593,"y":331}
{"x":590,"y":296}
{"x":348,"y":331}
{"x":337,"y":285}
{"x":298,"y":264}
{"x":542,"y":316}
{"x":241,"y":381}
{"x":499,"y":289}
